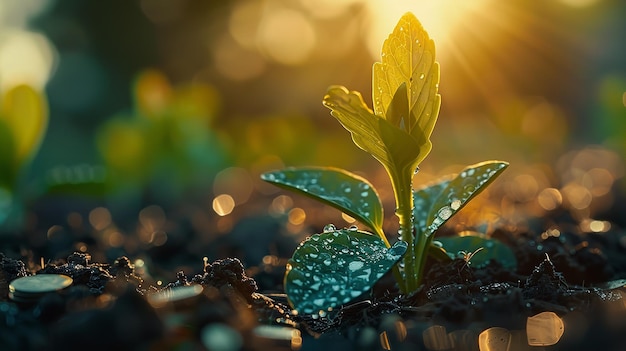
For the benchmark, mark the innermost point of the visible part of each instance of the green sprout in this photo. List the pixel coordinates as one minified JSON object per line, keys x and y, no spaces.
{"x":337,"y":266}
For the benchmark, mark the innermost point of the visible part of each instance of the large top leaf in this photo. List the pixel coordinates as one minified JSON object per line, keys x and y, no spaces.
{"x":336,"y":267}
{"x":406,"y":102}
{"x":339,"y":188}
{"x":408,"y":67}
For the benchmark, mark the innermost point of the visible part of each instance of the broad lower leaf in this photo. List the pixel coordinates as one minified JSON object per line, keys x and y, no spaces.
{"x":479,"y":250}
{"x":26,"y":114}
{"x":341,"y":189}
{"x":408,"y":65}
{"x":423,"y":200}
{"x":448,"y":197}
{"x":336,"y":267}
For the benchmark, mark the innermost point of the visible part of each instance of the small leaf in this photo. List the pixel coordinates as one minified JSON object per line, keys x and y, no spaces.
{"x":336,"y":267}
{"x":390,"y":145}
{"x":341,"y":189}
{"x":489,"y":249}
{"x":449,"y":196}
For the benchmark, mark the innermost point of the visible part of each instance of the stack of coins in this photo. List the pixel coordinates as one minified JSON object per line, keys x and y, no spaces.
{"x":32,"y":288}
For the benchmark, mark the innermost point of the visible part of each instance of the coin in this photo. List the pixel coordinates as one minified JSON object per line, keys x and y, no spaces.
{"x":31,"y":288}
{"x":176,"y":294}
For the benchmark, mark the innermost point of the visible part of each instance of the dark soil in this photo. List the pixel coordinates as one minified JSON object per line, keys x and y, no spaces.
{"x":107,"y":307}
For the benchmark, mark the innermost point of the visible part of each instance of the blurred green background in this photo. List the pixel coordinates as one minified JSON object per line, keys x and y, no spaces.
{"x":177,"y":102}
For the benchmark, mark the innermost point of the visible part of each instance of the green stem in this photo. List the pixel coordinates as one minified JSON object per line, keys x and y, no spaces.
{"x":422,"y":244}
{"x":402,"y":189}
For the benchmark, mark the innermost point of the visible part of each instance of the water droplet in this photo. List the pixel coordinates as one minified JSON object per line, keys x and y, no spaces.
{"x":422,"y":76}
{"x":355,"y":265}
{"x":456,"y":204}
{"x":444,"y":213}
{"x":353,"y":228}
{"x":327,"y":262}
{"x":329,"y":228}
{"x":364,"y":193}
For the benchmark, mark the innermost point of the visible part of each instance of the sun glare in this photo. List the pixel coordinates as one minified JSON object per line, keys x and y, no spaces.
{"x":439,"y":18}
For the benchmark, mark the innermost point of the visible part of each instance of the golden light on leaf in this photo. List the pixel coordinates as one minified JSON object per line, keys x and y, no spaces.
{"x":438,"y":17}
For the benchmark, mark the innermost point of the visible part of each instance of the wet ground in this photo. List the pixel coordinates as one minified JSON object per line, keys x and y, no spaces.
{"x":566,"y":294}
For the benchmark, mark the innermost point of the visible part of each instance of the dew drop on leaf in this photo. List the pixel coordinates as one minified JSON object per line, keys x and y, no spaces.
{"x":456,"y":204}
{"x":329,"y":228}
{"x":444,"y":213}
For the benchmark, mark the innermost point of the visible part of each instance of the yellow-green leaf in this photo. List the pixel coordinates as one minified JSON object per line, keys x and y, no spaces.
{"x":25,"y":112}
{"x":391,"y":146}
{"x":408,"y":57}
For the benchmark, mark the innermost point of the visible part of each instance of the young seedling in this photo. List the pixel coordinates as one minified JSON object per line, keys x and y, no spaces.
{"x":339,"y":265}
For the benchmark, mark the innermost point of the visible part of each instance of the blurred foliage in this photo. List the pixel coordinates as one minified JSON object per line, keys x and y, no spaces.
{"x":525,"y":82}
{"x":23,"y":122}
{"x":167,"y":144}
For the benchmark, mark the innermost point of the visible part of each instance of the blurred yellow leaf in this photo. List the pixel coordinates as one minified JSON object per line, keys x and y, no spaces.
{"x":25,"y":113}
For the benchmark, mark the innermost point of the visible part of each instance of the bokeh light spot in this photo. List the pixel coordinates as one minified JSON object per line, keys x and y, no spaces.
{"x":223,"y":204}
{"x":297,"y":216}
{"x":286,"y":36}
{"x":100,"y":218}
{"x":25,"y":58}
{"x":550,"y":198}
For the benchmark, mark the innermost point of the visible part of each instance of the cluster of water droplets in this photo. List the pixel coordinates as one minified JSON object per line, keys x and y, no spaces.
{"x":337,"y":266}
{"x":455,"y":194}
{"x":356,"y":196}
